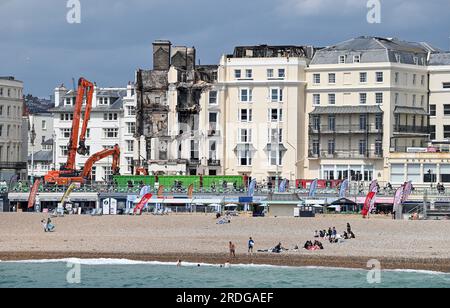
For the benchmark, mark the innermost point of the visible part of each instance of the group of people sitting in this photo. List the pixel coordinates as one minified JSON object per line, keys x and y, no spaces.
{"x":313,"y":247}
{"x":223,"y":220}
{"x":48,"y":225}
{"x":333,"y":236}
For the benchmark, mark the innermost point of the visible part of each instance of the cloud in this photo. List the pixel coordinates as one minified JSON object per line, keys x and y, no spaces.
{"x":321,"y":7}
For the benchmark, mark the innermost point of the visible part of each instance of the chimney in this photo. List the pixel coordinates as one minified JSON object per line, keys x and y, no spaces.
{"x":191,"y":54}
{"x":59,"y":93}
{"x":161,"y":55}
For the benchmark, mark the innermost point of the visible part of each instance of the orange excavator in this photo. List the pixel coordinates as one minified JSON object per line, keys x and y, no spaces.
{"x":77,"y":144}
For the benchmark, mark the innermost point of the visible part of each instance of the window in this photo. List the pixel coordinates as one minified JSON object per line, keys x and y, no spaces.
{"x":130,"y":145}
{"x":246,"y":115}
{"x":414,"y":79}
{"x":213,"y":117}
{"x":213,"y":97}
{"x":416,"y":60}
{"x":363,"y":98}
{"x":397,"y":77}
{"x":316,"y":99}
{"x":331,"y":99}
{"x":237,"y":74}
{"x":356,"y":59}
{"x":363,"y":77}
{"x":433,"y":110}
{"x":103,"y":101}
{"x":131,"y":111}
{"x":110,"y":116}
{"x":331,"y":147}
{"x":447,"y":131}
{"x":131,"y":128}
{"x":433,"y":132}
{"x":276,"y":95}
{"x":63,"y":150}
{"x":398,"y":58}
{"x":422,"y":80}
{"x":275,"y":158}
{"x":194,"y":150}
{"x":249,"y":74}
{"x":446,"y":109}
{"x":363,"y":122}
{"x":316,"y":78}
{"x":270,"y":73}
{"x":362,"y":147}
{"x":213,"y":150}
{"x":316,"y":147}
{"x":332,"y":123}
{"x":379,"y":122}
{"x":44,"y":125}
{"x":379,"y":147}
{"x":66,"y":117}
{"x":396,"y":98}
{"x":246,"y":95}
{"x":446,"y":85}
{"x":67,"y":101}
{"x":379,"y":98}
{"x":65,"y":132}
{"x":316,"y":123}
{"x":275,"y":135}
{"x":332,"y":78}
{"x":110,"y":132}
{"x":245,"y":157}
{"x":342,"y":59}
{"x":414,"y":100}
{"x":275,"y":115}
{"x":422,"y":100}
{"x":398,"y":173}
{"x":281,"y":73}
{"x":245,"y":135}
{"x":379,"y":76}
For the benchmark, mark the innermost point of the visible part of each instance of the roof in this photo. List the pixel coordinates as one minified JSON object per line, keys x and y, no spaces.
{"x":373,"y":50}
{"x":347,"y":110}
{"x":43,"y":156}
{"x":116,"y":106}
{"x":48,"y":142}
{"x":411,"y":110}
{"x":343,"y":201}
{"x":284,"y":197}
{"x":442,"y":58}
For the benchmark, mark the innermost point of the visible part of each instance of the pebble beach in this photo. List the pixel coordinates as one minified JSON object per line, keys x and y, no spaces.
{"x":418,"y":245}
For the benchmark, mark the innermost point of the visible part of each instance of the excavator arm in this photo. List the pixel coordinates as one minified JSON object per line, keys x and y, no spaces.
{"x":85,"y":87}
{"x":114,"y":152}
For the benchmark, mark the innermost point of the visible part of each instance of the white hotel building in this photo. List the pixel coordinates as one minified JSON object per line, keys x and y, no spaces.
{"x":113,"y":121}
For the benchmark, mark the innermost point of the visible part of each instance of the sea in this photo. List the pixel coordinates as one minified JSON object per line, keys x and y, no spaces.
{"x":74,"y":273}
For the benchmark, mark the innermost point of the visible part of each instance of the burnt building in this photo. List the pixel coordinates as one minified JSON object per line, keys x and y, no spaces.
{"x":169,"y":107}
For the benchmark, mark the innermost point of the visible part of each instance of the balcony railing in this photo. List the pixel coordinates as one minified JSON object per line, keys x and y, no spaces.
{"x":194,"y":162}
{"x":345,"y":129}
{"x":213,"y":133}
{"x":13,"y":165}
{"x":407,"y":129}
{"x":213,"y":163}
{"x":343,"y":154}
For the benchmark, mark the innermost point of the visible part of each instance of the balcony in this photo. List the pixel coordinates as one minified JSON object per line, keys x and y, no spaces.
{"x":346,"y":154}
{"x":194,"y":162}
{"x":344,"y":129}
{"x":407,"y":129}
{"x":214,"y":163}
{"x":13,"y":165}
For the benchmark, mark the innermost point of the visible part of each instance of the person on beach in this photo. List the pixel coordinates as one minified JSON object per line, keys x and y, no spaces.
{"x":316,"y":234}
{"x":251,"y":245}
{"x":279,"y":248}
{"x":179,"y":263}
{"x":232,"y":250}
{"x":334,"y":233}
{"x":227,"y":264}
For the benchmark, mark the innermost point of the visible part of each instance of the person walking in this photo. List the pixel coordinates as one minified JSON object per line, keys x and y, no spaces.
{"x":251,"y":245}
{"x":232,"y":250}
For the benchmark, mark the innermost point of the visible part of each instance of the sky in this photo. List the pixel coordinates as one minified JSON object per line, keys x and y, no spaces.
{"x":39,"y":46}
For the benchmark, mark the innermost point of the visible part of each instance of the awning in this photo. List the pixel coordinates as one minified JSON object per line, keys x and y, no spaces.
{"x":411,"y":110}
{"x":270,"y":146}
{"x":347,"y":110}
{"x":244,"y":147}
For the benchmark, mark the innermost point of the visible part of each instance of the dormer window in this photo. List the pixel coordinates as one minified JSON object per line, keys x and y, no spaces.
{"x":398,"y":58}
{"x":103,"y":101}
{"x":342,"y":59}
{"x":357,"y":59}
{"x":416,"y":61}
{"x":68,"y":101}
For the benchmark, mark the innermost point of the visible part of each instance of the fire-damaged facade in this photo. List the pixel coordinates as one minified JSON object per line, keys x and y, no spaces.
{"x":171,"y":103}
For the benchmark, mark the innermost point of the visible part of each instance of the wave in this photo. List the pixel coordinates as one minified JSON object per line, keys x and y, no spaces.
{"x":102,"y":262}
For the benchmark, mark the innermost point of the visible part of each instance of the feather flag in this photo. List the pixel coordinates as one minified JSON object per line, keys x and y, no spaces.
{"x":407,"y":190}
{"x":344,"y":188}
{"x":252,"y":188}
{"x":367,"y":205}
{"x":313,"y":188}
{"x":283,"y":186}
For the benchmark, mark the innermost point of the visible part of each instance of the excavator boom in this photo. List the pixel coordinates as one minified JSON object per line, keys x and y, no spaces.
{"x":114,"y":152}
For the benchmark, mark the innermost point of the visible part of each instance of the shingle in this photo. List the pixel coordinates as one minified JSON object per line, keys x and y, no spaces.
{"x":442,"y":58}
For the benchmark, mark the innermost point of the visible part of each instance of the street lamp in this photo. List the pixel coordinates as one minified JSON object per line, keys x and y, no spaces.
{"x":32,"y":139}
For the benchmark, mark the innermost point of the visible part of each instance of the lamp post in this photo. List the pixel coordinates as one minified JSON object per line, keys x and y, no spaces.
{"x":32,"y":139}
